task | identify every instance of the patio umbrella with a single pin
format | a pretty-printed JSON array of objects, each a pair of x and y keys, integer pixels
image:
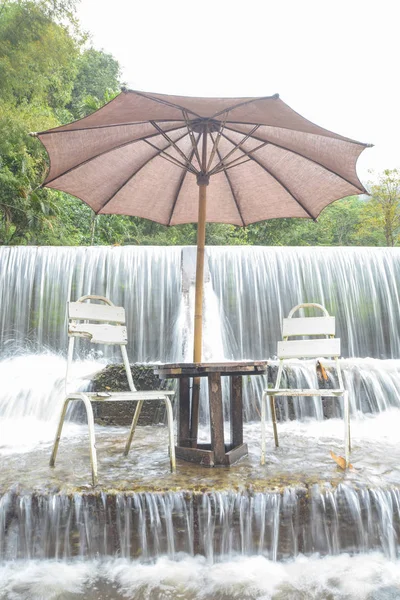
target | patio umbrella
[{"x": 153, "y": 156}]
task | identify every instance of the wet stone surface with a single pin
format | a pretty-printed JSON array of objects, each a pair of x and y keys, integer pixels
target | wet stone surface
[{"x": 303, "y": 459}]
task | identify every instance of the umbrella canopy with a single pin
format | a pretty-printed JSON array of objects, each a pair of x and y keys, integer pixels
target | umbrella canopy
[{"x": 153, "y": 156}]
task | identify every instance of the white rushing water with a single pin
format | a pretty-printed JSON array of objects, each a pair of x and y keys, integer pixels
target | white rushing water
[
  {"x": 344, "y": 577},
  {"x": 33, "y": 389},
  {"x": 255, "y": 288}
]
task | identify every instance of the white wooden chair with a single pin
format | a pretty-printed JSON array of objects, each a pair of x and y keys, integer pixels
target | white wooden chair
[
  {"x": 317, "y": 347},
  {"x": 105, "y": 324}
]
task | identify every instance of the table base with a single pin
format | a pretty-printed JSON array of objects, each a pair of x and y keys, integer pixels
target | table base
[
  {"x": 204, "y": 455},
  {"x": 217, "y": 453}
]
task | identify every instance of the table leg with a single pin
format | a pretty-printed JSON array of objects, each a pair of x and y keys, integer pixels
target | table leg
[
  {"x": 184, "y": 412},
  {"x": 216, "y": 417},
  {"x": 194, "y": 423},
  {"x": 236, "y": 410}
]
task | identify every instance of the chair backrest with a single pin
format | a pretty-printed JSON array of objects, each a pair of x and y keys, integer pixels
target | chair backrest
[
  {"x": 327, "y": 346},
  {"x": 316, "y": 347},
  {"x": 100, "y": 324}
]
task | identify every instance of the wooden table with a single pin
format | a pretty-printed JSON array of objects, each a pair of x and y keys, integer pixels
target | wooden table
[{"x": 218, "y": 453}]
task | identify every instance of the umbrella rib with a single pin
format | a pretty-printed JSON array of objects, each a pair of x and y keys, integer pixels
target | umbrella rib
[
  {"x": 236, "y": 147},
  {"x": 172, "y": 159},
  {"x": 160, "y": 101},
  {"x": 215, "y": 145},
  {"x": 231, "y": 188},
  {"x": 276, "y": 179},
  {"x": 88, "y": 160},
  {"x": 335, "y": 136},
  {"x": 165, "y": 136},
  {"x": 182, "y": 179},
  {"x": 235, "y": 163},
  {"x": 131, "y": 177},
  {"x": 109, "y": 126},
  {"x": 191, "y": 134},
  {"x": 218, "y": 168},
  {"x": 361, "y": 187},
  {"x": 243, "y": 103}
]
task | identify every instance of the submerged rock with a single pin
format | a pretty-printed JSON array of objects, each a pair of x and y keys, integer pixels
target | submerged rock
[{"x": 113, "y": 379}]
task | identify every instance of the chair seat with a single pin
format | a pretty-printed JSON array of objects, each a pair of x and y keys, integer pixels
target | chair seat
[
  {"x": 305, "y": 392},
  {"x": 121, "y": 396}
]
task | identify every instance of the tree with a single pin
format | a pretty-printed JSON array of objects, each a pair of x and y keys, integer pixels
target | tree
[
  {"x": 37, "y": 56},
  {"x": 89, "y": 104},
  {"x": 24, "y": 208},
  {"x": 382, "y": 215},
  {"x": 37, "y": 70},
  {"x": 337, "y": 225},
  {"x": 97, "y": 81},
  {"x": 41, "y": 71}
]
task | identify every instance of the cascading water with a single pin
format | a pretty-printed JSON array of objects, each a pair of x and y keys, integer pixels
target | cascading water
[
  {"x": 275, "y": 525},
  {"x": 294, "y": 529},
  {"x": 255, "y": 288}
]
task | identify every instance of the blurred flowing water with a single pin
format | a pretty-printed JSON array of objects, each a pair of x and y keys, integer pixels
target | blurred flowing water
[
  {"x": 293, "y": 530},
  {"x": 251, "y": 290}
]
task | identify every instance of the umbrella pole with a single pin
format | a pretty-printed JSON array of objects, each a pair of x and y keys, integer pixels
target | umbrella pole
[
  {"x": 198, "y": 310},
  {"x": 198, "y": 304}
]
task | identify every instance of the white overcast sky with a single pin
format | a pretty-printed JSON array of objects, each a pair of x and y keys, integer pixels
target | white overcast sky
[{"x": 336, "y": 62}]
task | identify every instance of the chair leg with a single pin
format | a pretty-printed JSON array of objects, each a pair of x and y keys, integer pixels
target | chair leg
[
  {"x": 263, "y": 418},
  {"x": 170, "y": 420},
  {"x": 92, "y": 439},
  {"x": 273, "y": 415},
  {"x": 135, "y": 420},
  {"x": 59, "y": 431},
  {"x": 347, "y": 427}
]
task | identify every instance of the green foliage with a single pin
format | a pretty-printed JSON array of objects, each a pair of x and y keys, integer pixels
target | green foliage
[
  {"x": 24, "y": 209},
  {"x": 41, "y": 70},
  {"x": 97, "y": 81},
  {"x": 37, "y": 56},
  {"x": 336, "y": 226},
  {"x": 47, "y": 78},
  {"x": 382, "y": 217}
]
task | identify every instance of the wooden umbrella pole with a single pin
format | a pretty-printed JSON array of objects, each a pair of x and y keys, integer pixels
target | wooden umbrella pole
[
  {"x": 198, "y": 311},
  {"x": 198, "y": 304},
  {"x": 202, "y": 182}
]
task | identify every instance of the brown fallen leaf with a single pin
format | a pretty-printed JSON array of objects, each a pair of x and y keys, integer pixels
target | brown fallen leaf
[
  {"x": 339, "y": 460},
  {"x": 321, "y": 369}
]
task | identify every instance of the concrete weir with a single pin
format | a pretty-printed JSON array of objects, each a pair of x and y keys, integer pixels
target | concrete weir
[{"x": 278, "y": 525}]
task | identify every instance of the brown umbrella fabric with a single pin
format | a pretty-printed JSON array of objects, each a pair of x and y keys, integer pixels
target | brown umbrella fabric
[
  {"x": 152, "y": 156},
  {"x": 140, "y": 155}
]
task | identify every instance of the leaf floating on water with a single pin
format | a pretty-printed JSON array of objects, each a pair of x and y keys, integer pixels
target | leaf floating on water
[
  {"x": 321, "y": 369},
  {"x": 339, "y": 460}
]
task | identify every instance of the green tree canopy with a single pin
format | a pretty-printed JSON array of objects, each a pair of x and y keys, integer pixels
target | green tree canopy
[
  {"x": 382, "y": 215},
  {"x": 37, "y": 56},
  {"x": 42, "y": 71},
  {"x": 97, "y": 81}
]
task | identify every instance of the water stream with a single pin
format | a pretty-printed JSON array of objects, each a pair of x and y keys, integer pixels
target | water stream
[{"x": 299, "y": 528}]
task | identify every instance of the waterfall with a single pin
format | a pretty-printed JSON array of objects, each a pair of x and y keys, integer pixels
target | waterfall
[
  {"x": 248, "y": 291},
  {"x": 258, "y": 286},
  {"x": 254, "y": 288},
  {"x": 218, "y": 525},
  {"x": 36, "y": 284}
]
